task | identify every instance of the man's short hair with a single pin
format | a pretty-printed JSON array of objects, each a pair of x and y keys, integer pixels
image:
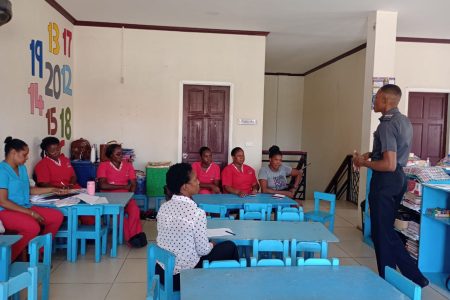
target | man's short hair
[{"x": 391, "y": 89}]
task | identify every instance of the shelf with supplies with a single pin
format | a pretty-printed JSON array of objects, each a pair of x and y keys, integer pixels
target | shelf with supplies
[
  {"x": 417, "y": 226},
  {"x": 434, "y": 243}
]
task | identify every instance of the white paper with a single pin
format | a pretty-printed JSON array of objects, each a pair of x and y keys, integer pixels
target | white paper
[
  {"x": 212, "y": 232},
  {"x": 42, "y": 201},
  {"x": 102, "y": 200},
  {"x": 92, "y": 199},
  {"x": 67, "y": 202},
  {"x": 278, "y": 196},
  {"x": 39, "y": 198}
]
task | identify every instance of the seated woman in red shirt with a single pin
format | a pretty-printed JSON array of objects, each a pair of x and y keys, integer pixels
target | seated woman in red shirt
[
  {"x": 117, "y": 175},
  {"x": 208, "y": 173},
  {"x": 54, "y": 169},
  {"x": 238, "y": 178}
]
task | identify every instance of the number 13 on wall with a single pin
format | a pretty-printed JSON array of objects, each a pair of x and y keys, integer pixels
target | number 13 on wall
[{"x": 53, "y": 39}]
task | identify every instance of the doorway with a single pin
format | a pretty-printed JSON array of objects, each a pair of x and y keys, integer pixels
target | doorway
[
  {"x": 205, "y": 122},
  {"x": 428, "y": 115}
]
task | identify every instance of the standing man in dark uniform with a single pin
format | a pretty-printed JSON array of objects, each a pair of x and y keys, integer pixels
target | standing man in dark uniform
[{"x": 391, "y": 146}]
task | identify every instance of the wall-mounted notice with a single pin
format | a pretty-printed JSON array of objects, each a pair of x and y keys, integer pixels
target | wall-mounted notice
[
  {"x": 57, "y": 81},
  {"x": 377, "y": 83},
  {"x": 247, "y": 122}
]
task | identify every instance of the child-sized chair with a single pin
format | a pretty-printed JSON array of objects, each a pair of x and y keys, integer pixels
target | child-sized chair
[
  {"x": 402, "y": 283},
  {"x": 307, "y": 249},
  {"x": 255, "y": 211},
  {"x": 318, "y": 215},
  {"x": 63, "y": 236},
  {"x": 269, "y": 247},
  {"x": 17, "y": 282},
  {"x": 156, "y": 253},
  {"x": 42, "y": 268},
  {"x": 242, "y": 263},
  {"x": 97, "y": 232},
  {"x": 219, "y": 210},
  {"x": 290, "y": 214},
  {"x": 317, "y": 262},
  {"x": 153, "y": 289}
]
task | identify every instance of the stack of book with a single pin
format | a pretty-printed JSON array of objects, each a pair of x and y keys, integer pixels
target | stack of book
[
  {"x": 412, "y": 201},
  {"x": 413, "y": 230},
  {"x": 413, "y": 248}
]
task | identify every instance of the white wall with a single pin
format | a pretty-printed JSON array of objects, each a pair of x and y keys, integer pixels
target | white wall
[
  {"x": 422, "y": 67},
  {"x": 332, "y": 117},
  {"x": 30, "y": 21},
  {"x": 143, "y": 112},
  {"x": 283, "y": 112}
]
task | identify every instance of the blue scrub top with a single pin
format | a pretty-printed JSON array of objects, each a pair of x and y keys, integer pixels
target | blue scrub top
[{"x": 18, "y": 186}]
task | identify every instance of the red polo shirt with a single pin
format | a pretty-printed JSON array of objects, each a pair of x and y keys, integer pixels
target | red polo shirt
[
  {"x": 206, "y": 176},
  {"x": 242, "y": 181},
  {"x": 57, "y": 173},
  {"x": 120, "y": 176}
]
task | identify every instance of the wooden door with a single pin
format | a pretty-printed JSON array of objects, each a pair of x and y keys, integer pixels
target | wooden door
[
  {"x": 428, "y": 115},
  {"x": 205, "y": 122}
]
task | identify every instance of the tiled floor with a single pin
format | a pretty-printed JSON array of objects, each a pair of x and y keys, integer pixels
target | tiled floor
[{"x": 125, "y": 276}]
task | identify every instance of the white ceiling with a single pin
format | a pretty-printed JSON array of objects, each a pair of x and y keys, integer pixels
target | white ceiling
[{"x": 303, "y": 33}]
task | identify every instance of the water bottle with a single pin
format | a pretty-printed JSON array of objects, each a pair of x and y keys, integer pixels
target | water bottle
[
  {"x": 93, "y": 153},
  {"x": 428, "y": 162}
]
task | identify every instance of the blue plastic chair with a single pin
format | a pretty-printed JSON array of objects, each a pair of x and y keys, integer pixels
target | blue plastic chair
[
  {"x": 153, "y": 289},
  {"x": 242, "y": 263},
  {"x": 97, "y": 232},
  {"x": 64, "y": 234},
  {"x": 318, "y": 215},
  {"x": 156, "y": 253},
  {"x": 307, "y": 249},
  {"x": 402, "y": 283},
  {"x": 317, "y": 262},
  {"x": 290, "y": 214},
  {"x": 255, "y": 211},
  {"x": 17, "y": 282},
  {"x": 142, "y": 201},
  {"x": 270, "y": 247},
  {"x": 216, "y": 209},
  {"x": 42, "y": 268}
]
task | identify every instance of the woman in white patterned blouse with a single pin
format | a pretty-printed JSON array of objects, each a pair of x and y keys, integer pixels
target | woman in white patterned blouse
[{"x": 182, "y": 226}]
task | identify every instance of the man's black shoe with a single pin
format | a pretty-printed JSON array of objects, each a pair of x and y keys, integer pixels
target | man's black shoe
[{"x": 422, "y": 282}]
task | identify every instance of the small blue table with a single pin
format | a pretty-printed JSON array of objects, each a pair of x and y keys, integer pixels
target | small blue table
[
  {"x": 246, "y": 231},
  {"x": 235, "y": 202},
  {"x": 115, "y": 207},
  {"x": 308, "y": 282},
  {"x": 6, "y": 241}
]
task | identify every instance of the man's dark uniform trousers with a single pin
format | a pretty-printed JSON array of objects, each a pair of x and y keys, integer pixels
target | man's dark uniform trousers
[{"x": 394, "y": 133}]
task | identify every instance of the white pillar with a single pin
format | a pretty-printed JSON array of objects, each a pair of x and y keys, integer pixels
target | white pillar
[{"x": 380, "y": 62}]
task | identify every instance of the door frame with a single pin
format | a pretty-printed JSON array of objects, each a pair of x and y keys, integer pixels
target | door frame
[
  {"x": 405, "y": 98},
  {"x": 180, "y": 112}
]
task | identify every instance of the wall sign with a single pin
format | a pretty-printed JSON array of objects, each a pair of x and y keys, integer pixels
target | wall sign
[
  {"x": 57, "y": 80},
  {"x": 247, "y": 122}
]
